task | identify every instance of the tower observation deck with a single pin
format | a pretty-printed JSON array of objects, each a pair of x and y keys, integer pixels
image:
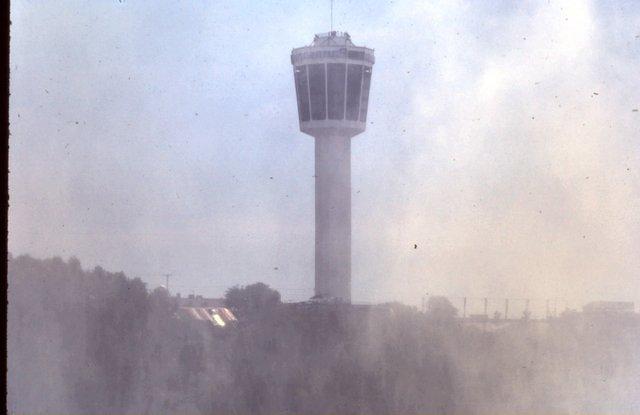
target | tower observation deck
[{"x": 332, "y": 79}]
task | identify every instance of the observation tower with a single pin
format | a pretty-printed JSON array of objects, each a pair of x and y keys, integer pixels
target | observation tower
[{"x": 332, "y": 79}]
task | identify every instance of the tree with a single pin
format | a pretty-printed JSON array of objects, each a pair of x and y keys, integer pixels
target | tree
[
  {"x": 440, "y": 308},
  {"x": 252, "y": 299}
]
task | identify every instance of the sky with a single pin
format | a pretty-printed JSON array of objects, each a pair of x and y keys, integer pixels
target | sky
[{"x": 503, "y": 141}]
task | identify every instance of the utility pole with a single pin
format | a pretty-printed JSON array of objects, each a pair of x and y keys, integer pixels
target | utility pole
[
  {"x": 548, "y": 313},
  {"x": 167, "y": 277}
]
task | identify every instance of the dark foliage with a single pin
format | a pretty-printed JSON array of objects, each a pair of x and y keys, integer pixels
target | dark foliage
[
  {"x": 97, "y": 342},
  {"x": 252, "y": 300},
  {"x": 441, "y": 309}
]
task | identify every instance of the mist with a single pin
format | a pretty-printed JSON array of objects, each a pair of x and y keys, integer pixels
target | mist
[
  {"x": 93, "y": 341},
  {"x": 502, "y": 141},
  {"x": 158, "y": 176}
]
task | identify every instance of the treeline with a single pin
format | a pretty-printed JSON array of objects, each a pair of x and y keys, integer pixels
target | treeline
[
  {"x": 97, "y": 342},
  {"x": 91, "y": 341}
]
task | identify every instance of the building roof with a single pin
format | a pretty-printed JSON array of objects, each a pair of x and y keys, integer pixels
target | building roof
[
  {"x": 200, "y": 301},
  {"x": 216, "y": 316}
]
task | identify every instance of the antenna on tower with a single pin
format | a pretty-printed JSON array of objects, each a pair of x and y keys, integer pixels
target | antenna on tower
[{"x": 331, "y": 15}]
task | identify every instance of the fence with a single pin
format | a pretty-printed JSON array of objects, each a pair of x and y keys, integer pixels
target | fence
[{"x": 504, "y": 308}]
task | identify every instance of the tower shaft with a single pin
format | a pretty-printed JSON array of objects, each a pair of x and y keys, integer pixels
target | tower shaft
[{"x": 333, "y": 217}]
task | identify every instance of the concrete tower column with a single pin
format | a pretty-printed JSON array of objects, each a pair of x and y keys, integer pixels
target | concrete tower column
[{"x": 333, "y": 216}]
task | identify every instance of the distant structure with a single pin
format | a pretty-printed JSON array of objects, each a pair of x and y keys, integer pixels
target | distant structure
[
  {"x": 609, "y": 307},
  {"x": 212, "y": 311},
  {"x": 332, "y": 80}
]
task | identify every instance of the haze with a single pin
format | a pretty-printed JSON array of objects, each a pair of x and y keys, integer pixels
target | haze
[{"x": 501, "y": 158}]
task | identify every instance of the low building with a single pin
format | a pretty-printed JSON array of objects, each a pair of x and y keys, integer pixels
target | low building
[
  {"x": 199, "y": 301},
  {"x": 609, "y": 307},
  {"x": 215, "y": 316}
]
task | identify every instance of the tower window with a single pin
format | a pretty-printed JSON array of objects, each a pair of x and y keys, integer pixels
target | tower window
[
  {"x": 302, "y": 92},
  {"x": 354, "y": 84},
  {"x": 317, "y": 90},
  {"x": 364, "y": 101},
  {"x": 335, "y": 90}
]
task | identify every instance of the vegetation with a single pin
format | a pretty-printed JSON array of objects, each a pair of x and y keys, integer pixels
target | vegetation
[
  {"x": 441, "y": 309},
  {"x": 97, "y": 342},
  {"x": 252, "y": 300}
]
